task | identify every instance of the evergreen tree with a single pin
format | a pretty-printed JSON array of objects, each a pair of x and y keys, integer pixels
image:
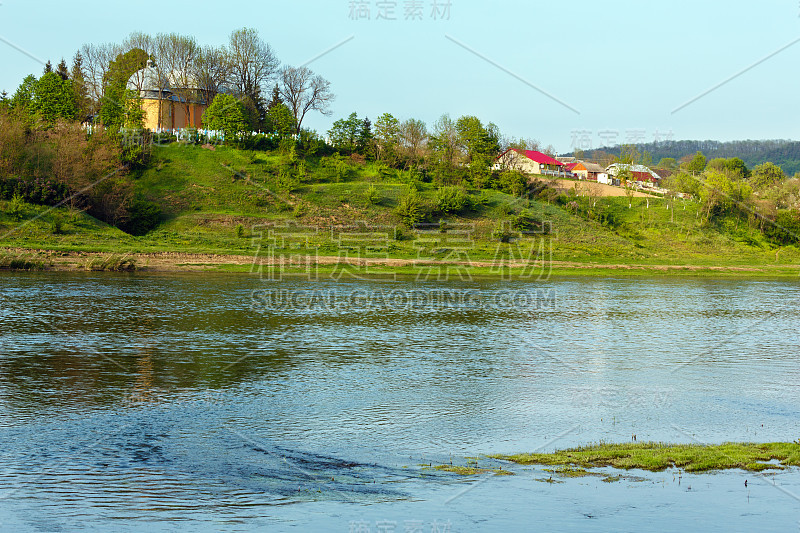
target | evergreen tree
[
  {"x": 4, "y": 101},
  {"x": 280, "y": 120},
  {"x": 79, "y": 88},
  {"x": 62, "y": 70},
  {"x": 48, "y": 68},
  {"x": 364, "y": 142},
  {"x": 23, "y": 97},
  {"x": 54, "y": 99},
  {"x": 276, "y": 98}
]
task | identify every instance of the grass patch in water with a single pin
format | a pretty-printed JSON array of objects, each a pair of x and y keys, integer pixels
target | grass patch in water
[
  {"x": 655, "y": 457},
  {"x": 570, "y": 471},
  {"x": 469, "y": 470}
]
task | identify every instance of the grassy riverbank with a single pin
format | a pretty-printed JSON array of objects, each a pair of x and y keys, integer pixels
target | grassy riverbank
[
  {"x": 225, "y": 205},
  {"x": 658, "y": 456}
]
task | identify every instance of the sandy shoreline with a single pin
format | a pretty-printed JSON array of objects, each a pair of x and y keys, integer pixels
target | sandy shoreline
[{"x": 186, "y": 262}]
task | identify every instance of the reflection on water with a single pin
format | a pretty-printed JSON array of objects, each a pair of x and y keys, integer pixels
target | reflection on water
[{"x": 212, "y": 399}]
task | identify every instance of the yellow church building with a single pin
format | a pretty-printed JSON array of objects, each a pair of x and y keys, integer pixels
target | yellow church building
[{"x": 167, "y": 105}]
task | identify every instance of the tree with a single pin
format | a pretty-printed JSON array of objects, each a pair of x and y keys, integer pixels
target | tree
[
  {"x": 212, "y": 71},
  {"x": 475, "y": 140},
  {"x": 54, "y": 99},
  {"x": 697, "y": 164},
  {"x": 96, "y": 61},
  {"x": 280, "y": 120},
  {"x": 387, "y": 138},
  {"x": 119, "y": 108},
  {"x": 738, "y": 167},
  {"x": 345, "y": 133},
  {"x": 276, "y": 98},
  {"x": 176, "y": 56},
  {"x": 303, "y": 91},
  {"x": 720, "y": 194},
  {"x": 79, "y": 89},
  {"x": 253, "y": 65},
  {"x": 413, "y": 139},
  {"x": 23, "y": 97},
  {"x": 668, "y": 163},
  {"x": 445, "y": 149},
  {"x": 365, "y": 140},
  {"x": 228, "y": 115},
  {"x": 48, "y": 67},
  {"x": 62, "y": 70},
  {"x": 766, "y": 175}
]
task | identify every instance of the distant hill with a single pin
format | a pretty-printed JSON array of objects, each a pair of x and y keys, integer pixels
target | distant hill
[{"x": 784, "y": 153}]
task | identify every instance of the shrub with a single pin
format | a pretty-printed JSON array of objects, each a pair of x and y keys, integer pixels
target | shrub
[
  {"x": 410, "y": 209},
  {"x": 513, "y": 183},
  {"x": 57, "y": 225},
  {"x": 239, "y": 231},
  {"x": 503, "y": 233},
  {"x": 373, "y": 196},
  {"x": 451, "y": 200},
  {"x": 527, "y": 221},
  {"x": 16, "y": 207},
  {"x": 786, "y": 229}
]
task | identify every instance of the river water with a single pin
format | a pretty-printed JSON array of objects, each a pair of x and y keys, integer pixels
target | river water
[{"x": 227, "y": 403}]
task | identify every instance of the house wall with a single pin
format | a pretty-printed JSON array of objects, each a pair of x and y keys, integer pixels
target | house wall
[
  {"x": 523, "y": 164},
  {"x": 173, "y": 115}
]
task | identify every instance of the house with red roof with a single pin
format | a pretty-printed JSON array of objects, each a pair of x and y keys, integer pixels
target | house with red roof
[{"x": 530, "y": 162}]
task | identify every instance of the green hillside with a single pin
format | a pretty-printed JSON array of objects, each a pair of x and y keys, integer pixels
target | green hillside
[{"x": 211, "y": 200}]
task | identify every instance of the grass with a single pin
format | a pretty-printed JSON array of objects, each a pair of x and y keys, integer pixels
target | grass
[
  {"x": 17, "y": 262},
  {"x": 112, "y": 263},
  {"x": 470, "y": 470},
  {"x": 217, "y": 202},
  {"x": 658, "y": 456}
]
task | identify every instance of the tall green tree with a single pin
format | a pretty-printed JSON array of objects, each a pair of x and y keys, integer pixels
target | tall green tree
[
  {"x": 444, "y": 144},
  {"x": 345, "y": 133},
  {"x": 276, "y": 98},
  {"x": 365, "y": 140},
  {"x": 280, "y": 120},
  {"x": 228, "y": 115},
  {"x": 697, "y": 164},
  {"x": 668, "y": 163},
  {"x": 387, "y": 138},
  {"x": 62, "y": 70},
  {"x": 54, "y": 99},
  {"x": 120, "y": 107},
  {"x": 79, "y": 87},
  {"x": 23, "y": 96},
  {"x": 766, "y": 175}
]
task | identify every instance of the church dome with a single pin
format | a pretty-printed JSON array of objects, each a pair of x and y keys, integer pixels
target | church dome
[{"x": 147, "y": 81}]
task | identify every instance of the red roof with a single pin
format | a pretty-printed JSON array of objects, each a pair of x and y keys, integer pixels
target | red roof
[
  {"x": 539, "y": 157},
  {"x": 571, "y": 166}
]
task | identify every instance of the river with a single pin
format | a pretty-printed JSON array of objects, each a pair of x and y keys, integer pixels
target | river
[{"x": 220, "y": 402}]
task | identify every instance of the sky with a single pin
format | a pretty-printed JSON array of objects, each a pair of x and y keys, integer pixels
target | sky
[{"x": 572, "y": 74}]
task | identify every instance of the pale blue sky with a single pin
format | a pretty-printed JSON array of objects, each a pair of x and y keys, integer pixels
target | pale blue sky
[{"x": 624, "y": 65}]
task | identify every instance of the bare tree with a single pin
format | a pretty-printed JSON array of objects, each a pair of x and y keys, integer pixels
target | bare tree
[
  {"x": 413, "y": 137},
  {"x": 96, "y": 60},
  {"x": 213, "y": 71},
  {"x": 253, "y": 64},
  {"x": 303, "y": 91},
  {"x": 144, "y": 42},
  {"x": 175, "y": 59}
]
